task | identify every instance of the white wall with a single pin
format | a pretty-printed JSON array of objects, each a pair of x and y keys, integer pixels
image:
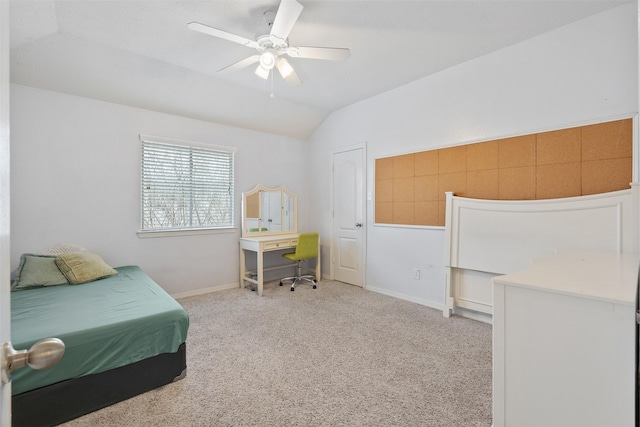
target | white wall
[
  {"x": 75, "y": 162},
  {"x": 75, "y": 177},
  {"x": 581, "y": 73}
]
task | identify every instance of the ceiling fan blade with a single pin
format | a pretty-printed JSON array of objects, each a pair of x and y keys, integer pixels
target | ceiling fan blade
[
  {"x": 286, "y": 17},
  {"x": 287, "y": 72},
  {"x": 196, "y": 26},
  {"x": 240, "y": 64},
  {"x": 330, "y": 53},
  {"x": 293, "y": 79}
]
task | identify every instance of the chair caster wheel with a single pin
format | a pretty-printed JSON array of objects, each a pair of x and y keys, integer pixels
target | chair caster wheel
[
  {"x": 292, "y": 289},
  {"x": 314, "y": 286},
  {"x": 280, "y": 283}
]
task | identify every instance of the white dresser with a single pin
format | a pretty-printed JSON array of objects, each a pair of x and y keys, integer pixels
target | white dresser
[{"x": 564, "y": 342}]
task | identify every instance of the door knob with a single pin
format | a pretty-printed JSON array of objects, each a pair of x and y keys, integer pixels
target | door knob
[
  {"x": 43, "y": 354},
  {"x": 358, "y": 224}
]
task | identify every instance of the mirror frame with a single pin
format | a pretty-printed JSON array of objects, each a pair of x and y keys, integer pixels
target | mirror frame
[{"x": 260, "y": 189}]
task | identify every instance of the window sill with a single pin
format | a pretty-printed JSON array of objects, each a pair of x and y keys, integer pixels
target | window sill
[{"x": 147, "y": 234}]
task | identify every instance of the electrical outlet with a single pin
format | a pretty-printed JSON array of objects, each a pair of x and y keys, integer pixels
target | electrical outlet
[{"x": 416, "y": 274}]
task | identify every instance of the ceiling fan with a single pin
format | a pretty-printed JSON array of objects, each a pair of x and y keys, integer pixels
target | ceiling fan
[{"x": 272, "y": 44}]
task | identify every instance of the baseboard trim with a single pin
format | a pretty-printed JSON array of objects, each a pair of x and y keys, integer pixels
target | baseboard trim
[
  {"x": 203, "y": 291},
  {"x": 474, "y": 315},
  {"x": 421, "y": 301}
]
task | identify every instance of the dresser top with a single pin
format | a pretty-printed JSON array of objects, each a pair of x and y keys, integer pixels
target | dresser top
[{"x": 597, "y": 275}]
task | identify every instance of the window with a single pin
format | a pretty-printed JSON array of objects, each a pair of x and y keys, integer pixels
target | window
[{"x": 186, "y": 186}]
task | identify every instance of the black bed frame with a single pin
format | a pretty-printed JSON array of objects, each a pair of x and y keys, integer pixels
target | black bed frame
[{"x": 66, "y": 400}]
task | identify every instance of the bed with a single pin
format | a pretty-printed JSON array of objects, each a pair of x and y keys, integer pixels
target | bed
[
  {"x": 123, "y": 334},
  {"x": 486, "y": 238}
]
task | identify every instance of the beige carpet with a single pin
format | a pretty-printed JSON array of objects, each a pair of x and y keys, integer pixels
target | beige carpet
[{"x": 334, "y": 356}]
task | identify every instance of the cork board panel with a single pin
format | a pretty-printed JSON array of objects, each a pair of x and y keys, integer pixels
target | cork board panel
[
  {"x": 384, "y": 212},
  {"x": 426, "y": 188},
  {"x": 403, "y": 212},
  {"x": 558, "y": 180},
  {"x": 607, "y": 140},
  {"x": 403, "y": 189},
  {"x": 426, "y": 163},
  {"x": 409, "y": 188},
  {"x": 426, "y": 213},
  {"x": 442, "y": 210},
  {"x": 384, "y": 168},
  {"x": 562, "y": 146},
  {"x": 601, "y": 176},
  {"x": 452, "y": 160},
  {"x": 517, "y": 152},
  {"x": 403, "y": 166},
  {"x": 454, "y": 182},
  {"x": 482, "y": 156},
  {"x": 253, "y": 206},
  {"x": 517, "y": 183},
  {"x": 384, "y": 190},
  {"x": 483, "y": 184}
]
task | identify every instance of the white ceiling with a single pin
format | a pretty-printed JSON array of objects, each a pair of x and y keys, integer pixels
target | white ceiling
[{"x": 141, "y": 53}]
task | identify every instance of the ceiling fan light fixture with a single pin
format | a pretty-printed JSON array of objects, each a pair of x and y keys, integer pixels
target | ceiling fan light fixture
[
  {"x": 262, "y": 72},
  {"x": 284, "y": 67},
  {"x": 268, "y": 59}
]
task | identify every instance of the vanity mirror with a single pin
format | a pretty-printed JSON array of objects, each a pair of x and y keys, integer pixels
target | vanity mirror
[{"x": 269, "y": 211}]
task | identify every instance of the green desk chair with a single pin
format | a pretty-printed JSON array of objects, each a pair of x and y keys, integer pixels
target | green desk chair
[{"x": 307, "y": 248}]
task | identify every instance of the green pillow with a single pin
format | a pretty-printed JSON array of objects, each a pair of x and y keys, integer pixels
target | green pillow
[
  {"x": 83, "y": 267},
  {"x": 36, "y": 271}
]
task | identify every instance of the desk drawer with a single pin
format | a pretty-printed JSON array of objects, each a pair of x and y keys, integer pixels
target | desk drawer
[{"x": 280, "y": 244}]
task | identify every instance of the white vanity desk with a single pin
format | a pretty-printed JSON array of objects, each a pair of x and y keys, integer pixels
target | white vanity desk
[
  {"x": 269, "y": 223},
  {"x": 564, "y": 342},
  {"x": 263, "y": 244}
]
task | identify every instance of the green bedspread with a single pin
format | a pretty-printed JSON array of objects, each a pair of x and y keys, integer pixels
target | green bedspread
[{"x": 104, "y": 324}]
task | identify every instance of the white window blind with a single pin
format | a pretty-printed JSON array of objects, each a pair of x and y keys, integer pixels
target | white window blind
[{"x": 186, "y": 187}]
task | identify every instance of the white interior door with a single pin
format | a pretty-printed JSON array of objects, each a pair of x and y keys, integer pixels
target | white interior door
[
  {"x": 275, "y": 211},
  {"x": 271, "y": 205},
  {"x": 5, "y": 266},
  {"x": 348, "y": 216}
]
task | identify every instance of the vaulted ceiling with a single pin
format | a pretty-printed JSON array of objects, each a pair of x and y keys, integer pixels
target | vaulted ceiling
[{"x": 141, "y": 53}]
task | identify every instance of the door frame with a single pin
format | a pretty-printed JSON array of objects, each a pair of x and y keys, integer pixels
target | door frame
[
  {"x": 5, "y": 212},
  {"x": 365, "y": 216}
]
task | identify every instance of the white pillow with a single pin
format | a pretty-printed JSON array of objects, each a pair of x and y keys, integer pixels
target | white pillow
[{"x": 62, "y": 248}]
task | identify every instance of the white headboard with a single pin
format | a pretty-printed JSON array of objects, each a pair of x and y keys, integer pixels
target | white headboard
[{"x": 485, "y": 238}]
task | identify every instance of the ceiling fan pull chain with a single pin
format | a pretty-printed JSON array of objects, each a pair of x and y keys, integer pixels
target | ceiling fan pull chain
[{"x": 272, "y": 94}]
